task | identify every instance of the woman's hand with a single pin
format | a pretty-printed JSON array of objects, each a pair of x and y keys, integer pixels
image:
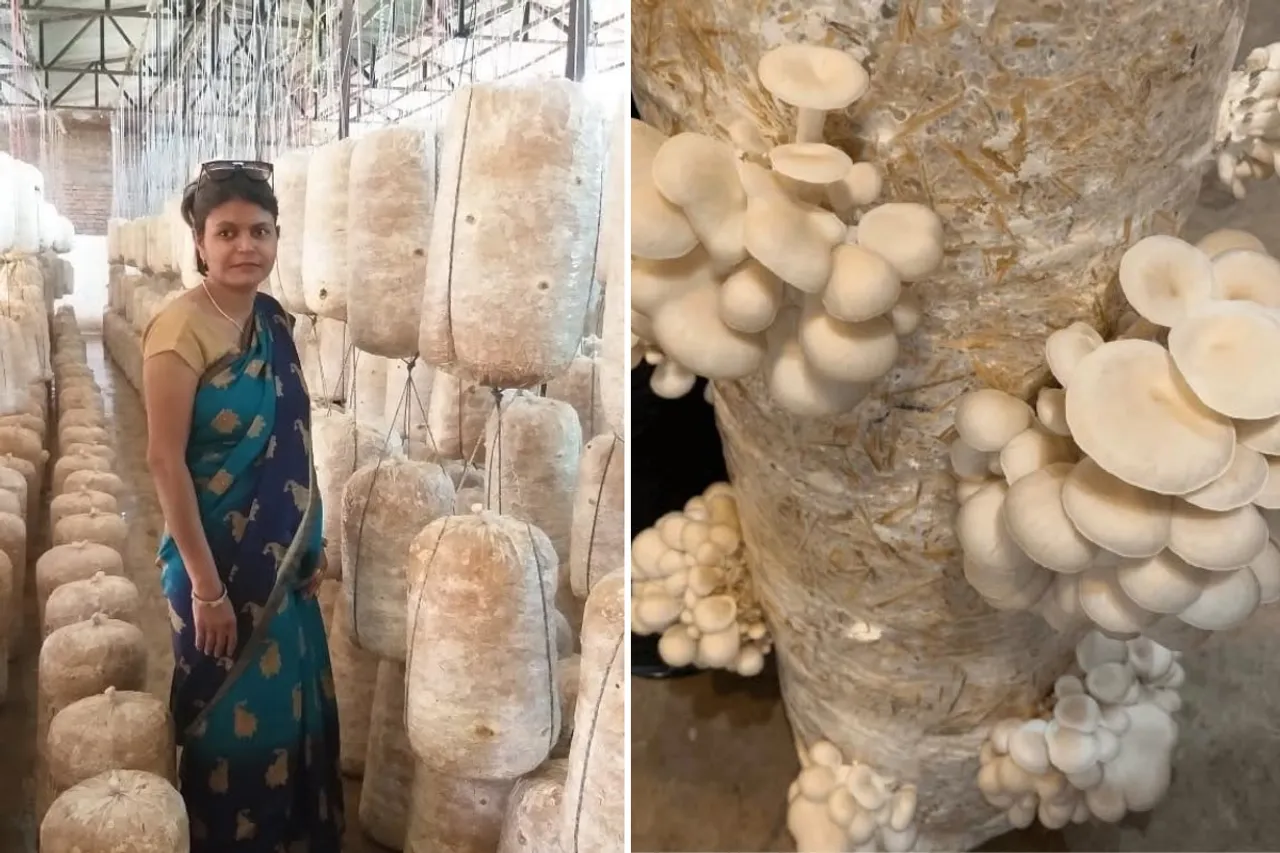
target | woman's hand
[
  {"x": 215, "y": 626},
  {"x": 312, "y": 589}
]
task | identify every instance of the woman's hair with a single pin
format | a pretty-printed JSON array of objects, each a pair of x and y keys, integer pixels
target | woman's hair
[{"x": 201, "y": 198}]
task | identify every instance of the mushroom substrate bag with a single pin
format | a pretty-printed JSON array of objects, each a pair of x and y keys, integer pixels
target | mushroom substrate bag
[
  {"x": 355, "y": 674},
  {"x": 482, "y": 699},
  {"x": 387, "y": 792},
  {"x": 512, "y": 260},
  {"x": 532, "y": 820},
  {"x": 454, "y": 815},
  {"x": 114, "y": 730},
  {"x": 325, "y": 269},
  {"x": 593, "y": 820},
  {"x": 534, "y": 445},
  {"x": 392, "y": 191},
  {"x": 599, "y": 505},
  {"x": 120, "y": 810},
  {"x": 457, "y": 412},
  {"x": 366, "y": 394},
  {"x": 385, "y": 505},
  {"x": 339, "y": 447},
  {"x": 291, "y": 172},
  {"x": 113, "y": 596}
]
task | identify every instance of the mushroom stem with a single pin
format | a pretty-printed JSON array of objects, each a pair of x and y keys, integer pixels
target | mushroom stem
[{"x": 810, "y": 124}]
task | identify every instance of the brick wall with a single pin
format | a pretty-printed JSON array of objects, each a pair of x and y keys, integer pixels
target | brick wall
[{"x": 76, "y": 164}]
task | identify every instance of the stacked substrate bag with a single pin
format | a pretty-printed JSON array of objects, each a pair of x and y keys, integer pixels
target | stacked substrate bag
[{"x": 93, "y": 660}]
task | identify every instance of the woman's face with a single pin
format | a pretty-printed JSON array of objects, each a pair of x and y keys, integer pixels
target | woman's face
[{"x": 238, "y": 244}]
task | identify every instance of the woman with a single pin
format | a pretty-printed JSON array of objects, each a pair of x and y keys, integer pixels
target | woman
[{"x": 229, "y": 447}]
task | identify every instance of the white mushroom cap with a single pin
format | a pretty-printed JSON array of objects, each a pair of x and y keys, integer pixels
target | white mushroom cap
[
  {"x": 1064, "y": 349},
  {"x": 1149, "y": 659},
  {"x": 1165, "y": 278},
  {"x": 847, "y": 352},
  {"x": 1261, "y": 435},
  {"x": 676, "y": 647},
  {"x": 655, "y": 282},
  {"x": 750, "y": 298},
  {"x": 1239, "y": 485},
  {"x": 1070, "y": 751},
  {"x": 815, "y": 79},
  {"x": 1031, "y": 450},
  {"x": 1079, "y": 712},
  {"x": 1227, "y": 239},
  {"x": 826, "y": 753},
  {"x": 1020, "y": 590},
  {"x": 1142, "y": 770},
  {"x": 790, "y": 239},
  {"x": 863, "y": 285},
  {"x": 1028, "y": 748},
  {"x": 689, "y": 330},
  {"x": 907, "y": 235},
  {"x": 671, "y": 380},
  {"x": 906, "y": 314},
  {"x": 1161, "y": 584},
  {"x": 718, "y": 650},
  {"x": 1266, "y": 568},
  {"x": 700, "y": 174},
  {"x": 810, "y": 162},
  {"x": 985, "y": 539},
  {"x": 967, "y": 463},
  {"x": 659, "y": 229},
  {"x": 860, "y": 186},
  {"x": 1228, "y": 599},
  {"x": 1109, "y": 683},
  {"x": 988, "y": 419},
  {"x": 1051, "y": 410},
  {"x": 1120, "y": 518},
  {"x": 867, "y": 788},
  {"x": 793, "y": 382},
  {"x": 1035, "y": 520},
  {"x": 1129, "y": 410},
  {"x": 1107, "y": 605},
  {"x": 1227, "y": 354},
  {"x": 812, "y": 77},
  {"x": 1244, "y": 275},
  {"x": 1269, "y": 497},
  {"x": 1218, "y": 541},
  {"x": 1060, "y": 605},
  {"x": 715, "y": 613}
]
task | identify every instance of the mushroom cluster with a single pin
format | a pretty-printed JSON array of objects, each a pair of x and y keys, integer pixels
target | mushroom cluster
[
  {"x": 690, "y": 583},
  {"x": 834, "y": 806},
  {"x": 1247, "y": 135},
  {"x": 741, "y": 260},
  {"x": 1147, "y": 486},
  {"x": 1105, "y": 750}
]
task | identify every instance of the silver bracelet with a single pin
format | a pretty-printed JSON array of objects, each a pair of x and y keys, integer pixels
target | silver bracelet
[{"x": 195, "y": 599}]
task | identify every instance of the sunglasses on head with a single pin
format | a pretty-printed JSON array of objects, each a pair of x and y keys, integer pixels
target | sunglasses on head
[{"x": 220, "y": 170}]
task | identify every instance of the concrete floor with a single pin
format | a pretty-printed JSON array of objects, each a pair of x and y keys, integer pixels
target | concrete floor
[
  {"x": 18, "y": 831},
  {"x": 712, "y": 755}
]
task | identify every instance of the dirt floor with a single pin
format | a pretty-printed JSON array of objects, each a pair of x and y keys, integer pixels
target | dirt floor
[
  {"x": 712, "y": 755},
  {"x": 18, "y": 831}
]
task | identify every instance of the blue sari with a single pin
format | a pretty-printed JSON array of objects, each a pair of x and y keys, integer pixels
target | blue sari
[{"x": 259, "y": 731}]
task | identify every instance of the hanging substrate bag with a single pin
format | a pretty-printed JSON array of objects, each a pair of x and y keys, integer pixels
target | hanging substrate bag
[
  {"x": 512, "y": 255},
  {"x": 599, "y": 524},
  {"x": 594, "y": 820},
  {"x": 325, "y": 272},
  {"x": 392, "y": 190},
  {"x": 384, "y": 507},
  {"x": 291, "y": 192},
  {"x": 482, "y": 701}
]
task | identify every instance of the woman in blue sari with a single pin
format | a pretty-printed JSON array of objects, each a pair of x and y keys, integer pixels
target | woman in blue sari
[{"x": 229, "y": 448}]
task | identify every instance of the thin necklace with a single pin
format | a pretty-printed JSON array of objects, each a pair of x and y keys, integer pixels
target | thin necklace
[{"x": 214, "y": 303}]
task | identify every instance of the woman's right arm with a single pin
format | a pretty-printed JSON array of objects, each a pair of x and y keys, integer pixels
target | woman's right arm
[{"x": 169, "y": 389}]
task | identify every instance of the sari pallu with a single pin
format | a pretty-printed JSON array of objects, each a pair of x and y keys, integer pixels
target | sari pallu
[{"x": 259, "y": 730}]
